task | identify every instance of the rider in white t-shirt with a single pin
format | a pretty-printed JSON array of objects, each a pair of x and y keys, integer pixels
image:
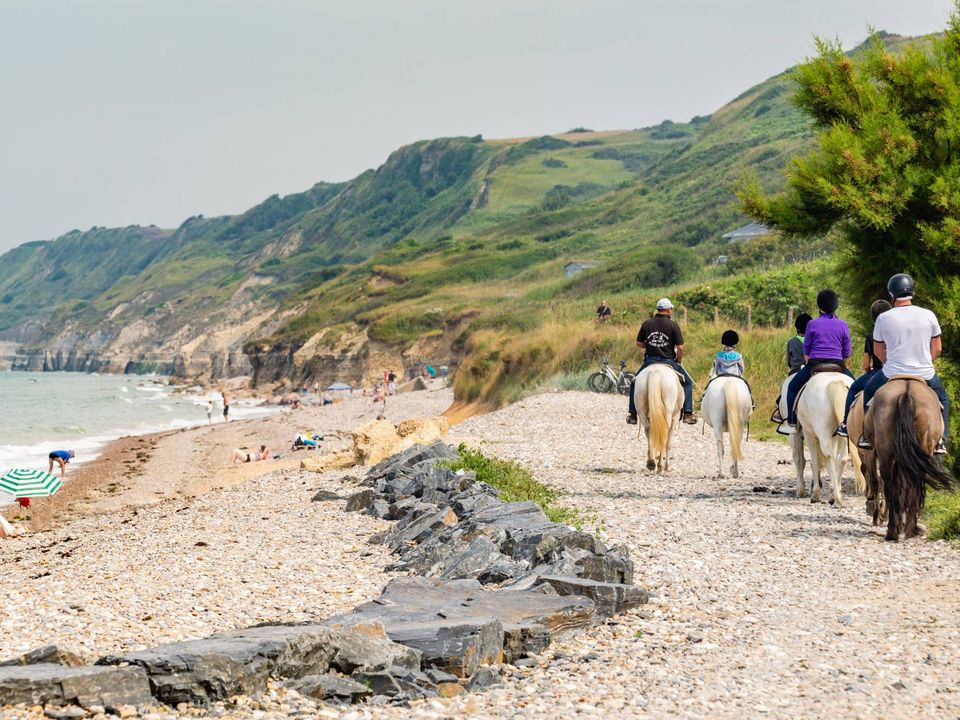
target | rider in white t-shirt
[{"x": 907, "y": 340}]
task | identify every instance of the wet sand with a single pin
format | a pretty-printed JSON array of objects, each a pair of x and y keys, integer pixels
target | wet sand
[{"x": 145, "y": 469}]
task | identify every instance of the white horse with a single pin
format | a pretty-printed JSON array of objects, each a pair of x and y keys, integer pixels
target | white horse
[
  {"x": 727, "y": 407},
  {"x": 819, "y": 411},
  {"x": 658, "y": 396},
  {"x": 795, "y": 440}
]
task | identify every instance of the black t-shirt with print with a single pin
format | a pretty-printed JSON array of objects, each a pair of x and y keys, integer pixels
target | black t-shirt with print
[{"x": 661, "y": 335}]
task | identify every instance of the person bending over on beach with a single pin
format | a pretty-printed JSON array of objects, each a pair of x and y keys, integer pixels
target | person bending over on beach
[
  {"x": 61, "y": 457},
  {"x": 242, "y": 456},
  {"x": 226, "y": 405}
]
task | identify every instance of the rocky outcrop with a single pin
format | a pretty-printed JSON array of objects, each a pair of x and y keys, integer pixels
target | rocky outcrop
[{"x": 491, "y": 582}]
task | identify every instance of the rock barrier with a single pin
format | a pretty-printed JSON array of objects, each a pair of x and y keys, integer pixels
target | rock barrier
[{"x": 489, "y": 582}]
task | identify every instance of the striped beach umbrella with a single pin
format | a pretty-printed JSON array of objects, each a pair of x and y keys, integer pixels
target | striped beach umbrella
[{"x": 27, "y": 482}]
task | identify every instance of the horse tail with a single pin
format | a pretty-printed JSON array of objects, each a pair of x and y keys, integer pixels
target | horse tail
[
  {"x": 657, "y": 412},
  {"x": 913, "y": 467},
  {"x": 837, "y": 392},
  {"x": 730, "y": 397}
]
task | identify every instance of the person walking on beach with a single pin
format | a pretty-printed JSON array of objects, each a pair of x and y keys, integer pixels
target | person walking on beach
[
  {"x": 226, "y": 405},
  {"x": 392, "y": 383},
  {"x": 61, "y": 457},
  {"x": 209, "y": 412}
]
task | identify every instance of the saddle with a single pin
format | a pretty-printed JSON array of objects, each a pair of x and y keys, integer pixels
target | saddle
[{"x": 826, "y": 367}]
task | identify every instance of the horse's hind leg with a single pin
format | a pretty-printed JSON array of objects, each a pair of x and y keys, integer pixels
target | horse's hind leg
[
  {"x": 815, "y": 458},
  {"x": 718, "y": 436},
  {"x": 799, "y": 462},
  {"x": 894, "y": 509}
]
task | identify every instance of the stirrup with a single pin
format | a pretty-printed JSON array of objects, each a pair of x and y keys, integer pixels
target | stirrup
[
  {"x": 631, "y": 419},
  {"x": 941, "y": 448},
  {"x": 777, "y": 417},
  {"x": 841, "y": 430},
  {"x": 787, "y": 429},
  {"x": 864, "y": 444}
]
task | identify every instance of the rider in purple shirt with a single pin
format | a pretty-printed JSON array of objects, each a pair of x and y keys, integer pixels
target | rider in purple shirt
[{"x": 827, "y": 340}]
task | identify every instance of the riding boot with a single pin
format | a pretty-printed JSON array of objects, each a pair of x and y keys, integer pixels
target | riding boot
[
  {"x": 941, "y": 448},
  {"x": 632, "y": 419},
  {"x": 841, "y": 430},
  {"x": 864, "y": 443}
]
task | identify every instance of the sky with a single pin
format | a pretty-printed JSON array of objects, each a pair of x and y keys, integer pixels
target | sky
[{"x": 120, "y": 112}]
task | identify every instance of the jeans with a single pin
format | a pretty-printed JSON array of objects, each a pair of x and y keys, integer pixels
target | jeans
[
  {"x": 935, "y": 383},
  {"x": 858, "y": 386},
  {"x": 687, "y": 383},
  {"x": 799, "y": 380}
]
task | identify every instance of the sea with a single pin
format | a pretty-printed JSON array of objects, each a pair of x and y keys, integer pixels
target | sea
[{"x": 83, "y": 412}]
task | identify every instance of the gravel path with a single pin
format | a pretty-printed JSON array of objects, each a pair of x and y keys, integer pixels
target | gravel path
[{"x": 763, "y": 604}]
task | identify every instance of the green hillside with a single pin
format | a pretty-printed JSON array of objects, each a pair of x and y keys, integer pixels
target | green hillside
[{"x": 461, "y": 233}]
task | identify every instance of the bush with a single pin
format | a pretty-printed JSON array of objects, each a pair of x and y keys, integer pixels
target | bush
[{"x": 515, "y": 484}]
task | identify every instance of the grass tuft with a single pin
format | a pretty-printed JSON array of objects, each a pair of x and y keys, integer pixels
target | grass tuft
[
  {"x": 515, "y": 484},
  {"x": 942, "y": 515}
]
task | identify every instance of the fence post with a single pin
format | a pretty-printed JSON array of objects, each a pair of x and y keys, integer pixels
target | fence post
[
  {"x": 683, "y": 313},
  {"x": 749, "y": 317},
  {"x": 716, "y": 315},
  {"x": 790, "y": 316}
]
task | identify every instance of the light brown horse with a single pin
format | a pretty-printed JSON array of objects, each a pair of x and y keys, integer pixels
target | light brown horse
[{"x": 904, "y": 424}]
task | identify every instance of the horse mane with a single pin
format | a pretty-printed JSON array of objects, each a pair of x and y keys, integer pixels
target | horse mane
[
  {"x": 657, "y": 416},
  {"x": 913, "y": 467},
  {"x": 733, "y": 419}
]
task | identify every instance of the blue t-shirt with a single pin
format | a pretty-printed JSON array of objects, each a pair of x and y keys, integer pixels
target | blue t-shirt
[{"x": 62, "y": 454}]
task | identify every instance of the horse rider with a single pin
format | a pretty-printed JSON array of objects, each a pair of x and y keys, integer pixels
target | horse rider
[
  {"x": 907, "y": 339},
  {"x": 795, "y": 344},
  {"x": 827, "y": 340},
  {"x": 662, "y": 342},
  {"x": 870, "y": 365}
]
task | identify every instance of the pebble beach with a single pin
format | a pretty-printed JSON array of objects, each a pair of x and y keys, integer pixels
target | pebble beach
[{"x": 763, "y": 605}]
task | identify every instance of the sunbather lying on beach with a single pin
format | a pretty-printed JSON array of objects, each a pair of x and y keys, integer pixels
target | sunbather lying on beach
[{"x": 242, "y": 456}]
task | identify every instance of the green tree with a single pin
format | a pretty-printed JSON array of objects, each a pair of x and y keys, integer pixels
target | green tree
[{"x": 884, "y": 176}]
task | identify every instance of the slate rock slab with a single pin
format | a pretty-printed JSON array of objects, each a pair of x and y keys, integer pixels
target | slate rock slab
[
  {"x": 46, "y": 654},
  {"x": 331, "y": 688},
  {"x": 398, "y": 683},
  {"x": 359, "y": 501},
  {"x": 53, "y": 684},
  {"x": 451, "y": 622},
  {"x": 610, "y": 598},
  {"x": 225, "y": 664}
]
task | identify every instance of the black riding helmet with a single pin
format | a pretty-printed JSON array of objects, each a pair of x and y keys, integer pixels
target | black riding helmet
[
  {"x": 803, "y": 319},
  {"x": 827, "y": 301},
  {"x": 729, "y": 338},
  {"x": 901, "y": 285}
]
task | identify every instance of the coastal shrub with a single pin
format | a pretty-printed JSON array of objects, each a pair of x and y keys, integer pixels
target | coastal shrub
[
  {"x": 942, "y": 515},
  {"x": 515, "y": 484}
]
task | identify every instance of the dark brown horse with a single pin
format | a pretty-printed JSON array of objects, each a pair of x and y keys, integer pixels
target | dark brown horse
[{"x": 904, "y": 424}]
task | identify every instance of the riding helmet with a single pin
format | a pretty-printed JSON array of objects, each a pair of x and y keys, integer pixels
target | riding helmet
[
  {"x": 827, "y": 301},
  {"x": 801, "y": 322},
  {"x": 900, "y": 285},
  {"x": 729, "y": 338},
  {"x": 878, "y": 308}
]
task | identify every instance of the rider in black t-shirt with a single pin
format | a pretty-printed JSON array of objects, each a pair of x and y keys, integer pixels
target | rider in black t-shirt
[{"x": 662, "y": 342}]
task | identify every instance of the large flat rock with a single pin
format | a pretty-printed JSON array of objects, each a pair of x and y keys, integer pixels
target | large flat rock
[
  {"x": 459, "y": 626},
  {"x": 53, "y": 684},
  {"x": 214, "y": 668}
]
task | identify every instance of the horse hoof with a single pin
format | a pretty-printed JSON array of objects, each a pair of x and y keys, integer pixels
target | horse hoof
[
  {"x": 891, "y": 538},
  {"x": 651, "y": 465}
]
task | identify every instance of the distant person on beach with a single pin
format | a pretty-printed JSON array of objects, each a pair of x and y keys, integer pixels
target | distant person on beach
[
  {"x": 209, "y": 411},
  {"x": 226, "y": 405},
  {"x": 61, "y": 457},
  {"x": 242, "y": 456},
  {"x": 392, "y": 383}
]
